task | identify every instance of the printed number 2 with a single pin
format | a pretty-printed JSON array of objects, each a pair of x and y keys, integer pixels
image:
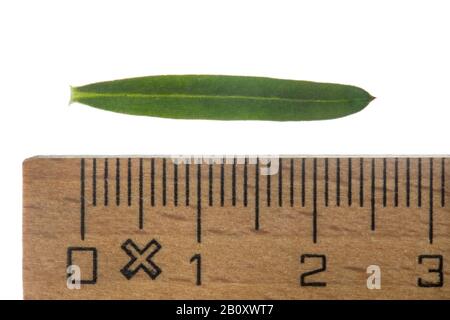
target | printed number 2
[
  {"x": 438, "y": 270},
  {"x": 304, "y": 275}
]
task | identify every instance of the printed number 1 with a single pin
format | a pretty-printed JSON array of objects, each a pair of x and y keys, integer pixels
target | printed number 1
[{"x": 198, "y": 258}]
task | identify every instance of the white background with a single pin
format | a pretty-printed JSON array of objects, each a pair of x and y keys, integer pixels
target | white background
[{"x": 397, "y": 50}]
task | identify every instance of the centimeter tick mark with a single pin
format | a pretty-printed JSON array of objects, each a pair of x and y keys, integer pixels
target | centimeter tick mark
[
  {"x": 315, "y": 200},
  {"x": 280, "y": 182},
  {"x": 164, "y": 182},
  {"x": 257, "y": 195},
  {"x": 152, "y": 182},
  {"x": 175, "y": 184},
  {"x": 186, "y": 184},
  {"x": 94, "y": 182},
  {"x": 105, "y": 183},
  {"x": 408, "y": 182},
  {"x": 338, "y": 182},
  {"x": 349, "y": 182},
  {"x": 431, "y": 203},
  {"x": 117, "y": 181},
  {"x": 233, "y": 183},
  {"x": 222, "y": 183},
  {"x": 372, "y": 201},
  {"x": 199, "y": 203},
  {"x": 326, "y": 182},
  {"x": 303, "y": 182},
  {"x": 396, "y": 182},
  {"x": 245, "y": 181},
  {"x": 269, "y": 192},
  {"x": 443, "y": 182},
  {"x": 291, "y": 189},
  {"x": 384, "y": 183},
  {"x": 82, "y": 199},
  {"x": 419, "y": 183},
  {"x": 141, "y": 194},
  {"x": 210, "y": 184},
  {"x": 129, "y": 182},
  {"x": 361, "y": 182}
]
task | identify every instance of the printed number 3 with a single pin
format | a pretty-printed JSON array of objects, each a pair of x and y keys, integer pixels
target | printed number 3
[{"x": 438, "y": 270}]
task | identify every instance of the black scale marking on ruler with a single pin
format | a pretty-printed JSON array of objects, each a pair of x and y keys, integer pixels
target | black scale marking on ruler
[{"x": 257, "y": 206}]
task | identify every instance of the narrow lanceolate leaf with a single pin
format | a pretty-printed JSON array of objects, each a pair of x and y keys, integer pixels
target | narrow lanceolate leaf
[{"x": 218, "y": 97}]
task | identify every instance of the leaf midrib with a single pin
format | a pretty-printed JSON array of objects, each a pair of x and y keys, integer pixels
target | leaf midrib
[{"x": 80, "y": 94}]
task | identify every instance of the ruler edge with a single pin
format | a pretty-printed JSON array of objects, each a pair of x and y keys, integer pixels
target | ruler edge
[{"x": 284, "y": 156}]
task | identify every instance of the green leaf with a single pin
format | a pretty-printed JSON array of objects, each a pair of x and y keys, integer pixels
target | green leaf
[{"x": 217, "y": 97}]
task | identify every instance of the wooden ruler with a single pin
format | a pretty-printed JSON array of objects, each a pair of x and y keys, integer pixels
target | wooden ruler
[{"x": 236, "y": 228}]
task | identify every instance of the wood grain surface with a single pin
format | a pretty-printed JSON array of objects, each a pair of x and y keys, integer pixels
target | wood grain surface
[{"x": 138, "y": 228}]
